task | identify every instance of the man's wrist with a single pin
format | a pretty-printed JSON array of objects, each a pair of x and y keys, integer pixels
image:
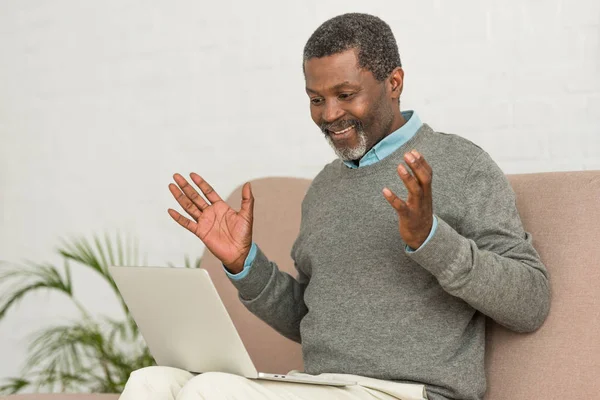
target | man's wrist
[
  {"x": 422, "y": 237},
  {"x": 241, "y": 270},
  {"x": 234, "y": 268},
  {"x": 432, "y": 230},
  {"x": 238, "y": 266}
]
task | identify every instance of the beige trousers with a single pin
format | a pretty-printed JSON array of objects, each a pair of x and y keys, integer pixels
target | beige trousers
[{"x": 165, "y": 383}]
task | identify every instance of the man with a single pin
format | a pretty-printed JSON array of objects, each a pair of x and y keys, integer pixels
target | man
[{"x": 397, "y": 270}]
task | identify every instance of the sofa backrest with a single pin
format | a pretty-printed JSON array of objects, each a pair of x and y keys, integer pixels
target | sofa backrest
[{"x": 560, "y": 360}]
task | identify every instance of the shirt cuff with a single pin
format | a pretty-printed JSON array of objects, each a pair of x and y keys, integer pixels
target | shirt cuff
[
  {"x": 247, "y": 264},
  {"x": 259, "y": 277},
  {"x": 433, "y": 228}
]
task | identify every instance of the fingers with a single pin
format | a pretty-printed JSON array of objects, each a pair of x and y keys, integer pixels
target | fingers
[
  {"x": 189, "y": 199},
  {"x": 183, "y": 221},
  {"x": 398, "y": 204},
  {"x": 412, "y": 185},
  {"x": 247, "y": 209},
  {"x": 208, "y": 191},
  {"x": 418, "y": 183},
  {"x": 421, "y": 170}
]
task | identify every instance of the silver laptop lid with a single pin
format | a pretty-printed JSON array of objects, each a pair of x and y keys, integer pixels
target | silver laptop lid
[{"x": 183, "y": 320}]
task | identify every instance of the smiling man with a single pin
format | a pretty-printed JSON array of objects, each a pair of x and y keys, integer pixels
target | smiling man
[
  {"x": 398, "y": 267},
  {"x": 357, "y": 99}
]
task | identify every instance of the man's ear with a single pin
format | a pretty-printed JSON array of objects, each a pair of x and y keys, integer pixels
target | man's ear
[{"x": 396, "y": 83}]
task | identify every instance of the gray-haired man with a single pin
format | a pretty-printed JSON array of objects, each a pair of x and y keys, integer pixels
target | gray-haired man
[{"x": 397, "y": 271}]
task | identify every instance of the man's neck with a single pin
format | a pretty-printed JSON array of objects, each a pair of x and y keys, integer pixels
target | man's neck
[{"x": 397, "y": 123}]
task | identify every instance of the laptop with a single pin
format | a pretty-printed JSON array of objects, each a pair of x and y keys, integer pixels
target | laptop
[{"x": 186, "y": 325}]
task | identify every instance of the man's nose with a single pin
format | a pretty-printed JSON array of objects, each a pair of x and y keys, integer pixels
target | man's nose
[{"x": 332, "y": 111}]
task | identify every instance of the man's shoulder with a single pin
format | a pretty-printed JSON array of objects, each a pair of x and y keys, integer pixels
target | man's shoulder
[
  {"x": 329, "y": 171},
  {"x": 451, "y": 140},
  {"x": 450, "y": 150}
]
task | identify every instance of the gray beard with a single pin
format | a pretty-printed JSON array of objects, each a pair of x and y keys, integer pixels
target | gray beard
[{"x": 350, "y": 153}]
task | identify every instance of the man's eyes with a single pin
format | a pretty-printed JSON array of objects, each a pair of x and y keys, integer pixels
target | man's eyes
[{"x": 342, "y": 96}]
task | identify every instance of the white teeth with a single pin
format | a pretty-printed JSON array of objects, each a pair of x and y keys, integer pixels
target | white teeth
[{"x": 343, "y": 130}]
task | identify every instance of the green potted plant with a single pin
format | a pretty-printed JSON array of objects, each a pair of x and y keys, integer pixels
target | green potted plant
[{"x": 92, "y": 353}]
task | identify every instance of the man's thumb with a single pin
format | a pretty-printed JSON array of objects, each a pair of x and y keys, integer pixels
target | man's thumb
[{"x": 247, "y": 200}]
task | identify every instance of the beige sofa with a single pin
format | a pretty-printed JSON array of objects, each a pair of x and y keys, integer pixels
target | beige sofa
[{"x": 559, "y": 361}]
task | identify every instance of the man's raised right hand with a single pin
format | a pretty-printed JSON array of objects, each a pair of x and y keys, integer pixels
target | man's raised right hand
[{"x": 225, "y": 232}]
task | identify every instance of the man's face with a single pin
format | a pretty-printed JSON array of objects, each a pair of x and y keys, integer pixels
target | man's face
[{"x": 349, "y": 105}]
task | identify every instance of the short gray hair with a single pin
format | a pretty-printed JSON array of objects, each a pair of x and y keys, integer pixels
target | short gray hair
[{"x": 369, "y": 35}]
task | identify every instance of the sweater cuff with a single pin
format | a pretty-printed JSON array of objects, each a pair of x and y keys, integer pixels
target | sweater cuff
[
  {"x": 257, "y": 277},
  {"x": 444, "y": 254}
]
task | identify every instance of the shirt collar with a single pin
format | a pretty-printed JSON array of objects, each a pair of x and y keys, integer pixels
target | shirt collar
[{"x": 391, "y": 142}]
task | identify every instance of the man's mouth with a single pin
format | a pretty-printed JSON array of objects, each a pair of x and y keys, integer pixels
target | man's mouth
[
  {"x": 343, "y": 130},
  {"x": 342, "y": 133}
]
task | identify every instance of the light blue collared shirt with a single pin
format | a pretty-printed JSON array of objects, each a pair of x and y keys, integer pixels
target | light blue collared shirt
[
  {"x": 381, "y": 150},
  {"x": 391, "y": 142}
]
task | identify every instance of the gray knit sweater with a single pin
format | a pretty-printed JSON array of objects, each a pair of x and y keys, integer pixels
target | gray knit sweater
[{"x": 363, "y": 305}]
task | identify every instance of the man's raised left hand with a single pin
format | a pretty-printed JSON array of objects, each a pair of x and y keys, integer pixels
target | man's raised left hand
[{"x": 416, "y": 213}]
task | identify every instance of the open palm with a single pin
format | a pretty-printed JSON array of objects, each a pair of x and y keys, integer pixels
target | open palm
[{"x": 225, "y": 232}]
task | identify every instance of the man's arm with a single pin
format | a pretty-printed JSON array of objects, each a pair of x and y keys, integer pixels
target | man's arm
[
  {"x": 273, "y": 296},
  {"x": 489, "y": 262}
]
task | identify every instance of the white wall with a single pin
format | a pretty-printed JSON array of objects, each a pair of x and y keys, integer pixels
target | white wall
[{"x": 101, "y": 102}]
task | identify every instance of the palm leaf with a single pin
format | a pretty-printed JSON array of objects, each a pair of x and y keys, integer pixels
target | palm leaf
[
  {"x": 18, "y": 280},
  {"x": 64, "y": 351},
  {"x": 57, "y": 346},
  {"x": 120, "y": 250},
  {"x": 99, "y": 257},
  {"x": 188, "y": 264},
  {"x": 49, "y": 380},
  {"x": 14, "y": 385},
  {"x": 195, "y": 264},
  {"x": 101, "y": 250},
  {"x": 95, "y": 355},
  {"x": 109, "y": 249}
]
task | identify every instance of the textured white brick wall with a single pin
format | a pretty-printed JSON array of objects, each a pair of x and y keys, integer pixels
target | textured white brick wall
[{"x": 100, "y": 102}]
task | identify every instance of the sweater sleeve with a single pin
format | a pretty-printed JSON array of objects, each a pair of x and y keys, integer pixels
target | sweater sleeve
[
  {"x": 490, "y": 262},
  {"x": 273, "y": 296}
]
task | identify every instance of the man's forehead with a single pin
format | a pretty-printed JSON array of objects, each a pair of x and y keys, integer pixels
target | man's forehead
[{"x": 333, "y": 71}]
